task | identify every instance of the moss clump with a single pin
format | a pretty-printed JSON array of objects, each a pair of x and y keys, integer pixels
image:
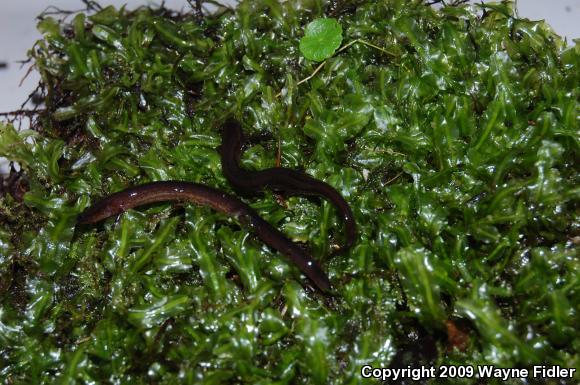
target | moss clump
[{"x": 456, "y": 143}]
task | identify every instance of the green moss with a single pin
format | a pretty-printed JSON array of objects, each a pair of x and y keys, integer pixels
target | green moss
[{"x": 453, "y": 134}]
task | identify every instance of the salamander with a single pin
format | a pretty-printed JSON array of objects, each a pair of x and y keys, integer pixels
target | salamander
[{"x": 147, "y": 193}]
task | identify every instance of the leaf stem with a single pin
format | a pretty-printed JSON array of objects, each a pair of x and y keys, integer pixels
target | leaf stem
[{"x": 319, "y": 67}]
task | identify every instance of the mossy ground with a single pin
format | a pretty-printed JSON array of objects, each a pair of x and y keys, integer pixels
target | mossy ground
[{"x": 458, "y": 151}]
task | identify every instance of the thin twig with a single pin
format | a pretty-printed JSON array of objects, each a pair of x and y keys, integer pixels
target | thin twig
[
  {"x": 376, "y": 47},
  {"x": 25, "y": 61},
  {"x": 52, "y": 10},
  {"x": 23, "y": 112},
  {"x": 393, "y": 178},
  {"x": 347, "y": 45},
  {"x": 313, "y": 74},
  {"x": 92, "y": 5},
  {"x": 197, "y": 9},
  {"x": 457, "y": 3},
  {"x": 435, "y": 2},
  {"x": 219, "y": 5},
  {"x": 31, "y": 95},
  {"x": 26, "y": 75},
  {"x": 367, "y": 44}
]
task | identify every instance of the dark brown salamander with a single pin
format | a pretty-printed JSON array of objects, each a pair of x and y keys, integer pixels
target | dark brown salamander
[
  {"x": 192, "y": 192},
  {"x": 278, "y": 179}
]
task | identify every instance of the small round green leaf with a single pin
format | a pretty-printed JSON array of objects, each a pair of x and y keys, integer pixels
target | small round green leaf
[{"x": 321, "y": 39}]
